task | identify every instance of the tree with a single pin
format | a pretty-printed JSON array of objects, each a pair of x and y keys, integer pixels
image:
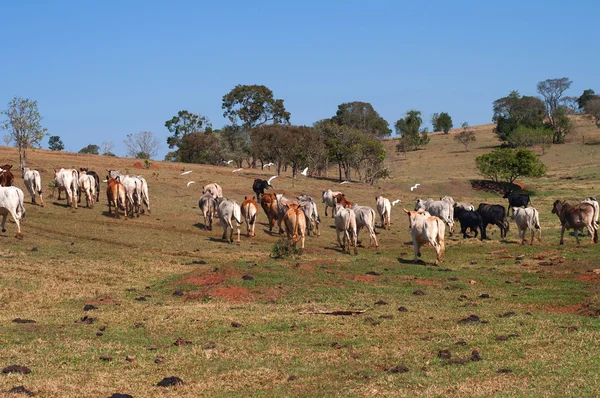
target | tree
[
  {"x": 585, "y": 97},
  {"x": 513, "y": 111},
  {"x": 55, "y": 143},
  {"x": 142, "y": 145},
  {"x": 466, "y": 136},
  {"x": 182, "y": 126},
  {"x": 7, "y": 139},
  {"x": 91, "y": 149},
  {"x": 506, "y": 165},
  {"x": 235, "y": 144},
  {"x": 528, "y": 136},
  {"x": 24, "y": 125},
  {"x": 592, "y": 107},
  {"x": 253, "y": 106},
  {"x": 361, "y": 116},
  {"x": 441, "y": 122},
  {"x": 342, "y": 143},
  {"x": 107, "y": 148},
  {"x": 410, "y": 128},
  {"x": 552, "y": 90}
]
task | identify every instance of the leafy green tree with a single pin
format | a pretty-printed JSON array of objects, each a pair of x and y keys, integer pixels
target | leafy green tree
[
  {"x": 465, "y": 136},
  {"x": 506, "y": 165},
  {"x": 142, "y": 145},
  {"x": 410, "y": 128},
  {"x": 24, "y": 125},
  {"x": 592, "y": 107},
  {"x": 55, "y": 143},
  {"x": 91, "y": 149},
  {"x": 552, "y": 91},
  {"x": 183, "y": 126},
  {"x": 269, "y": 144},
  {"x": 342, "y": 143},
  {"x": 441, "y": 122},
  {"x": 361, "y": 116},
  {"x": 585, "y": 97},
  {"x": 235, "y": 144},
  {"x": 513, "y": 111},
  {"x": 528, "y": 136}
]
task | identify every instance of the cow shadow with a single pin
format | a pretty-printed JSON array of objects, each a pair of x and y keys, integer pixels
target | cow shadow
[
  {"x": 105, "y": 213},
  {"x": 418, "y": 262},
  {"x": 202, "y": 226},
  {"x": 272, "y": 233},
  {"x": 337, "y": 249},
  {"x": 58, "y": 204}
]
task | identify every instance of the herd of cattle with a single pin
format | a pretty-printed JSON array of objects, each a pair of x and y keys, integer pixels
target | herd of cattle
[{"x": 299, "y": 216}]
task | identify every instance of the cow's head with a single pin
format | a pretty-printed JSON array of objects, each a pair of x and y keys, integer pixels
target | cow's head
[
  {"x": 557, "y": 206},
  {"x": 507, "y": 194}
]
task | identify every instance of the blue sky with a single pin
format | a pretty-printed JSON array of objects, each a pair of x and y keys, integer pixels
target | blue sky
[{"x": 101, "y": 70}]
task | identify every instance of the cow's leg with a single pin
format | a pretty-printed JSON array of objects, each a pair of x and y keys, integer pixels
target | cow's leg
[
  {"x": 238, "y": 232},
  {"x": 4, "y": 222},
  {"x": 224, "y": 225},
  {"x": 355, "y": 240},
  {"x": 337, "y": 231},
  {"x": 576, "y": 235},
  {"x": 346, "y": 241},
  {"x": 562, "y": 234},
  {"x": 416, "y": 250}
]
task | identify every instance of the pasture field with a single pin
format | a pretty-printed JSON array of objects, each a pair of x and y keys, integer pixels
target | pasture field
[{"x": 236, "y": 325}]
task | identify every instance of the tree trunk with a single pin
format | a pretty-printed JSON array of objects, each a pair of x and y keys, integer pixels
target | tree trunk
[
  {"x": 340, "y": 170},
  {"x": 326, "y": 168}
]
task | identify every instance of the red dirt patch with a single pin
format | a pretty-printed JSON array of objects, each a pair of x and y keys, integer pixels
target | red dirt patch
[
  {"x": 306, "y": 267},
  {"x": 587, "y": 308},
  {"x": 318, "y": 262},
  {"x": 138, "y": 165},
  {"x": 587, "y": 278},
  {"x": 154, "y": 166},
  {"x": 233, "y": 293},
  {"x": 207, "y": 279},
  {"x": 365, "y": 278},
  {"x": 569, "y": 309}
]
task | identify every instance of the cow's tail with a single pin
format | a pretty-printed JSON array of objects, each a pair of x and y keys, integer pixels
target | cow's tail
[
  {"x": 118, "y": 200},
  {"x": 20, "y": 206},
  {"x": 506, "y": 223},
  {"x": 38, "y": 183},
  {"x": 237, "y": 213},
  {"x": 536, "y": 219},
  {"x": 253, "y": 218},
  {"x": 440, "y": 238}
]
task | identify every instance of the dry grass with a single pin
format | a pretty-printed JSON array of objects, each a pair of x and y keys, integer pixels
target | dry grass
[{"x": 85, "y": 257}]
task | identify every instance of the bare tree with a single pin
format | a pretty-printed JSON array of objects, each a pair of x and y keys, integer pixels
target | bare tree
[
  {"x": 106, "y": 148},
  {"x": 466, "y": 136},
  {"x": 7, "y": 139},
  {"x": 142, "y": 145},
  {"x": 552, "y": 90},
  {"x": 592, "y": 107},
  {"x": 23, "y": 125}
]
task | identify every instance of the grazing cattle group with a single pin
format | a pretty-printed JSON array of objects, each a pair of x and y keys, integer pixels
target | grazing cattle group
[{"x": 300, "y": 216}]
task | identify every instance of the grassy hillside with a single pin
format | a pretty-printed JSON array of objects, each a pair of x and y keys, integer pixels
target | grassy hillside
[{"x": 173, "y": 295}]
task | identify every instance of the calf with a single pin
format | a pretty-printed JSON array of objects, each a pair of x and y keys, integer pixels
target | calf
[
  {"x": 493, "y": 214},
  {"x": 11, "y": 202},
  {"x": 329, "y": 200},
  {"x": 527, "y": 218},
  {"x": 468, "y": 219},
  {"x": 516, "y": 200},
  {"x": 438, "y": 208},
  {"x": 345, "y": 221},
  {"x": 577, "y": 217},
  {"x": 341, "y": 199},
  {"x": 229, "y": 211},
  {"x": 250, "y": 211},
  {"x": 384, "y": 208},
  {"x": 33, "y": 183},
  {"x": 259, "y": 187},
  {"x": 6, "y": 176},
  {"x": 208, "y": 206},
  {"x": 268, "y": 202},
  {"x": 115, "y": 194},
  {"x": 295, "y": 224},
  {"x": 426, "y": 229}
]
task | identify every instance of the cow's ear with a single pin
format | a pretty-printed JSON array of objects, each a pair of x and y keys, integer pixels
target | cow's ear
[
  {"x": 254, "y": 198},
  {"x": 245, "y": 198},
  {"x": 421, "y": 211},
  {"x": 406, "y": 211}
]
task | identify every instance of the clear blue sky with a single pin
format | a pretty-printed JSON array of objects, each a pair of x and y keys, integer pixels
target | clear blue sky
[{"x": 100, "y": 70}]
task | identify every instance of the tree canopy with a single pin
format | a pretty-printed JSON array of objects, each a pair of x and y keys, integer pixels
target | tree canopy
[
  {"x": 410, "y": 131},
  {"x": 506, "y": 165},
  {"x": 441, "y": 122},
  {"x": 513, "y": 111},
  {"x": 142, "y": 145},
  {"x": 585, "y": 97},
  {"x": 552, "y": 91},
  {"x": 91, "y": 149},
  {"x": 252, "y": 106},
  {"x": 183, "y": 126},
  {"x": 55, "y": 143},
  {"x": 361, "y": 116}
]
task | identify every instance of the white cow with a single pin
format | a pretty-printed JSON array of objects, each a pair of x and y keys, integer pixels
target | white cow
[
  {"x": 426, "y": 229},
  {"x": 438, "y": 208},
  {"x": 309, "y": 207},
  {"x": 214, "y": 188},
  {"x": 345, "y": 221},
  {"x": 11, "y": 202},
  {"x": 464, "y": 206},
  {"x": 230, "y": 210},
  {"x": 67, "y": 180},
  {"x": 384, "y": 208},
  {"x": 133, "y": 193},
  {"x": 87, "y": 185},
  {"x": 145, "y": 197},
  {"x": 329, "y": 200},
  {"x": 592, "y": 201},
  {"x": 249, "y": 211},
  {"x": 527, "y": 218},
  {"x": 33, "y": 183},
  {"x": 365, "y": 217},
  {"x": 208, "y": 206}
]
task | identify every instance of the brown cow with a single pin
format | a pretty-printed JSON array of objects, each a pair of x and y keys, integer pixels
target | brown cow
[
  {"x": 268, "y": 201},
  {"x": 249, "y": 212},
  {"x": 6, "y": 176},
  {"x": 116, "y": 197},
  {"x": 341, "y": 199},
  {"x": 295, "y": 223},
  {"x": 577, "y": 217}
]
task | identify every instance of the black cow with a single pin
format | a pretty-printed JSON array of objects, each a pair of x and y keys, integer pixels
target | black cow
[
  {"x": 469, "y": 219},
  {"x": 516, "y": 200},
  {"x": 96, "y": 178},
  {"x": 493, "y": 214},
  {"x": 259, "y": 187}
]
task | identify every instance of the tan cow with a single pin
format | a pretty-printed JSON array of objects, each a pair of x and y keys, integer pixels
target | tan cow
[
  {"x": 527, "y": 218},
  {"x": 426, "y": 229},
  {"x": 577, "y": 217},
  {"x": 345, "y": 221},
  {"x": 295, "y": 223},
  {"x": 249, "y": 212},
  {"x": 115, "y": 193},
  {"x": 268, "y": 202}
]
